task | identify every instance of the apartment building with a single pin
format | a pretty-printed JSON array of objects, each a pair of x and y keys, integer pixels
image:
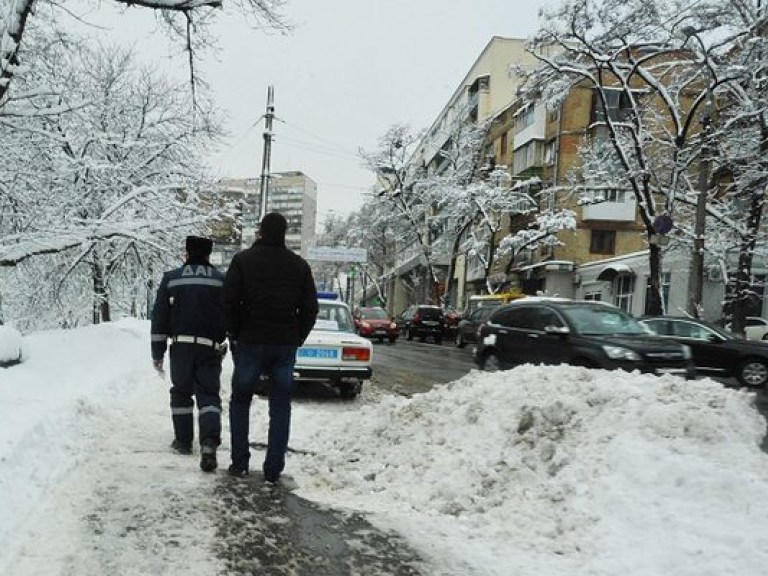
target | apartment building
[
  {"x": 487, "y": 88},
  {"x": 293, "y": 194}
]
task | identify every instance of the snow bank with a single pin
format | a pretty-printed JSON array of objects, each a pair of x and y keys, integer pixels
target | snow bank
[{"x": 566, "y": 470}]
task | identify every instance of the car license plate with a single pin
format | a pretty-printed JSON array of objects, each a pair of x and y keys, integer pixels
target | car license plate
[
  {"x": 317, "y": 353},
  {"x": 382, "y": 332},
  {"x": 430, "y": 323}
]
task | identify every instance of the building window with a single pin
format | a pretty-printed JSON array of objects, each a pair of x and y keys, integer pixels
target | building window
[
  {"x": 617, "y": 103},
  {"x": 624, "y": 287},
  {"x": 665, "y": 281},
  {"x": 524, "y": 117},
  {"x": 594, "y": 295},
  {"x": 503, "y": 144},
  {"x": 549, "y": 152},
  {"x": 614, "y": 195},
  {"x": 602, "y": 242}
]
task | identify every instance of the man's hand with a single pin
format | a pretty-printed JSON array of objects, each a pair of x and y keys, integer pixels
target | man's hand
[{"x": 158, "y": 366}]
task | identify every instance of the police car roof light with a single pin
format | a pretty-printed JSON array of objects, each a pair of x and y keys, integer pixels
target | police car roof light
[{"x": 327, "y": 296}]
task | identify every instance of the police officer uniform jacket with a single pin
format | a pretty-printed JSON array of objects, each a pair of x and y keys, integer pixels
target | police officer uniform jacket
[{"x": 189, "y": 304}]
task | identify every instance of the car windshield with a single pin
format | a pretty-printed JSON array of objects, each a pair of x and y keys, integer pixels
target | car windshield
[
  {"x": 602, "y": 320},
  {"x": 332, "y": 317},
  {"x": 373, "y": 314}
]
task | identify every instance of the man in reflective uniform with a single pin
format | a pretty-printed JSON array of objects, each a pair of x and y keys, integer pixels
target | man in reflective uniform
[{"x": 189, "y": 310}]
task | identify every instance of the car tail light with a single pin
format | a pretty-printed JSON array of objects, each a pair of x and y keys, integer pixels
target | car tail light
[
  {"x": 353, "y": 353},
  {"x": 393, "y": 326}
]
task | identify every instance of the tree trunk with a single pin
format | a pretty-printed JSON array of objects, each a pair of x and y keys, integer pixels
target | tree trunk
[
  {"x": 101, "y": 309},
  {"x": 744, "y": 268},
  {"x": 448, "y": 296},
  {"x": 655, "y": 304}
]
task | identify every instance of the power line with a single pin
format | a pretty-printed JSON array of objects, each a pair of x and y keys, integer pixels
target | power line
[{"x": 344, "y": 147}]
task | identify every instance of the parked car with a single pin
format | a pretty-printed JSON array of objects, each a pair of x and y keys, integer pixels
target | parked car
[
  {"x": 451, "y": 319},
  {"x": 755, "y": 328},
  {"x": 716, "y": 352},
  {"x": 422, "y": 321},
  {"x": 375, "y": 323},
  {"x": 333, "y": 353},
  {"x": 466, "y": 331},
  {"x": 577, "y": 332}
]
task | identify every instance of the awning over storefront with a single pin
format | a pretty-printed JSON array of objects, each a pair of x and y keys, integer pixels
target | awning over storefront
[{"x": 610, "y": 272}]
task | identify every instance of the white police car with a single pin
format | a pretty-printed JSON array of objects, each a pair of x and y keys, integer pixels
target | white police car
[{"x": 333, "y": 353}]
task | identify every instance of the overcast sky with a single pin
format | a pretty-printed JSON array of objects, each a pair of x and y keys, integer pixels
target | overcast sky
[{"x": 348, "y": 71}]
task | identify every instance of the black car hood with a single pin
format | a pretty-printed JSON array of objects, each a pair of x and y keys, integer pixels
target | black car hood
[{"x": 639, "y": 343}]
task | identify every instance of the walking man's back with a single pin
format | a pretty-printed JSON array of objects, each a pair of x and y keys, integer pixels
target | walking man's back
[{"x": 271, "y": 305}]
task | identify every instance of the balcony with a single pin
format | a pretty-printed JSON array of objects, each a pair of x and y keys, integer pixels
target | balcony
[{"x": 614, "y": 205}]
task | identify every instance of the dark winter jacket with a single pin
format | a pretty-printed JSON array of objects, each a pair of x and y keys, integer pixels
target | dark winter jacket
[
  {"x": 189, "y": 302},
  {"x": 269, "y": 296}
]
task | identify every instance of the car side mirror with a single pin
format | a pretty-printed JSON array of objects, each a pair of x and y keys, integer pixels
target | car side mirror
[{"x": 714, "y": 338}]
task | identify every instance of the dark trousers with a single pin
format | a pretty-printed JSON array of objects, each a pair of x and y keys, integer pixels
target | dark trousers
[
  {"x": 196, "y": 371},
  {"x": 250, "y": 363}
]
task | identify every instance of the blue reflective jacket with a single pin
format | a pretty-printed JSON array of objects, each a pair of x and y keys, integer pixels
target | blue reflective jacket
[{"x": 189, "y": 302}]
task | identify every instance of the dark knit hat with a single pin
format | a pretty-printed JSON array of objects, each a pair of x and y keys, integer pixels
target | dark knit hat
[
  {"x": 272, "y": 228},
  {"x": 199, "y": 246}
]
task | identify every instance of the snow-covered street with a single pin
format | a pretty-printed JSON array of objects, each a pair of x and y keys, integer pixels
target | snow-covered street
[{"x": 532, "y": 471}]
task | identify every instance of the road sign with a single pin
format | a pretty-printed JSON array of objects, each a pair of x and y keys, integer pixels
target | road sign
[
  {"x": 334, "y": 254},
  {"x": 663, "y": 224}
]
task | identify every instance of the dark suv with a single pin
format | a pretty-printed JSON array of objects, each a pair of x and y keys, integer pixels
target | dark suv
[
  {"x": 422, "y": 321},
  {"x": 577, "y": 332}
]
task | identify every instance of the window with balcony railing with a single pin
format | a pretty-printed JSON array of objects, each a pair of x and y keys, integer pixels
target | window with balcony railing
[
  {"x": 525, "y": 117},
  {"x": 527, "y": 156}
]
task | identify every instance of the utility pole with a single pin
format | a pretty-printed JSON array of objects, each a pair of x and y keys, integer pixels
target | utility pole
[
  {"x": 699, "y": 228},
  {"x": 266, "y": 157}
]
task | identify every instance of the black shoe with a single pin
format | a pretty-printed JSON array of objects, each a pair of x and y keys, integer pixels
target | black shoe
[
  {"x": 208, "y": 458},
  {"x": 270, "y": 477},
  {"x": 181, "y": 447},
  {"x": 237, "y": 472}
]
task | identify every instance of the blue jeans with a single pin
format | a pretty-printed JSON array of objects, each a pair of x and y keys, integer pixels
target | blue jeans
[{"x": 250, "y": 362}]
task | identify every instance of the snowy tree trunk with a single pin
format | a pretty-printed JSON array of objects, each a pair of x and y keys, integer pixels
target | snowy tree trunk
[
  {"x": 655, "y": 304},
  {"x": 744, "y": 270},
  {"x": 101, "y": 309}
]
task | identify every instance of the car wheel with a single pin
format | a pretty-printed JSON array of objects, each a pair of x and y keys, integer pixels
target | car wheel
[
  {"x": 492, "y": 363},
  {"x": 753, "y": 372},
  {"x": 408, "y": 334},
  {"x": 392, "y": 340},
  {"x": 765, "y": 336},
  {"x": 459, "y": 341},
  {"x": 380, "y": 340}
]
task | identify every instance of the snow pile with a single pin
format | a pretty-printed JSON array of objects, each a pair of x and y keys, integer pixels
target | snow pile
[
  {"x": 561, "y": 467},
  {"x": 70, "y": 378},
  {"x": 12, "y": 346}
]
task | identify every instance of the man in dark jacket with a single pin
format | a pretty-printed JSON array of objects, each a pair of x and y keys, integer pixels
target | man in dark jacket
[
  {"x": 271, "y": 305},
  {"x": 189, "y": 310}
]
